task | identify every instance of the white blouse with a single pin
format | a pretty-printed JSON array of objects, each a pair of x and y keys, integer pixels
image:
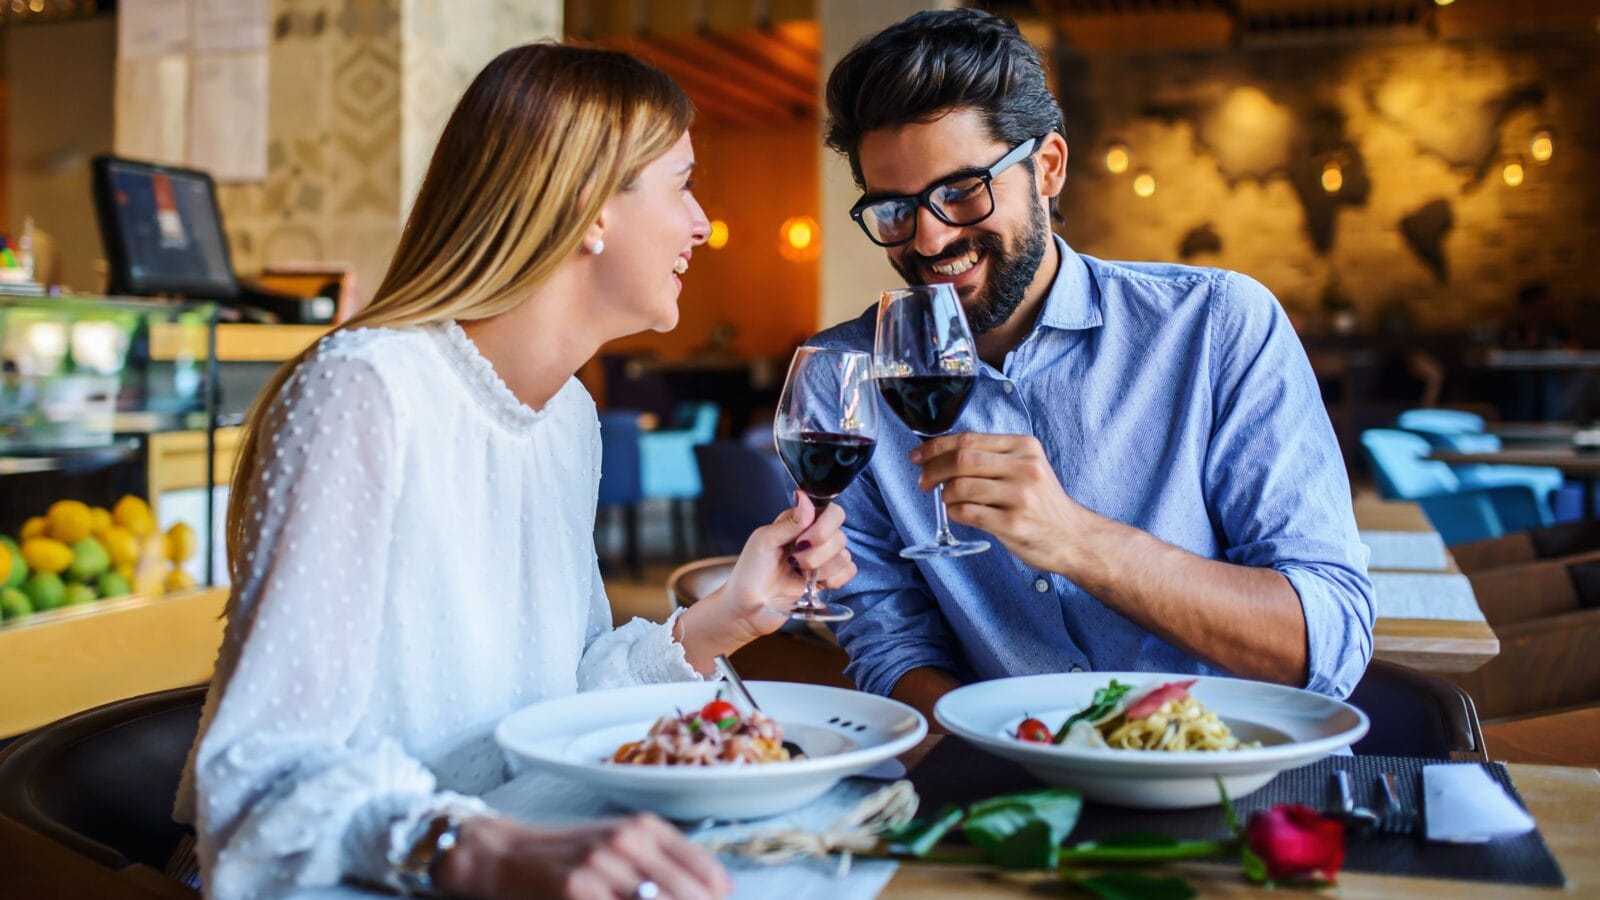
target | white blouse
[{"x": 424, "y": 564}]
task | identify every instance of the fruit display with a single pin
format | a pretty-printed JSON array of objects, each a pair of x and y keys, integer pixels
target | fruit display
[{"x": 78, "y": 554}]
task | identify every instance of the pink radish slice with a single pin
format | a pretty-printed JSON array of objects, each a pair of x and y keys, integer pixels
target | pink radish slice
[{"x": 1157, "y": 698}]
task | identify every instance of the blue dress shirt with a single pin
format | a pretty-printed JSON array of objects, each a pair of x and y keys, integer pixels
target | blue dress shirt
[{"x": 1177, "y": 400}]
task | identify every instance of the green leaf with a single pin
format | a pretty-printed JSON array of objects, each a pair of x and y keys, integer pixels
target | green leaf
[
  {"x": 1255, "y": 868},
  {"x": 1133, "y": 886},
  {"x": 919, "y": 836},
  {"x": 1105, "y": 700},
  {"x": 1229, "y": 815},
  {"x": 1024, "y": 830},
  {"x": 729, "y": 722}
]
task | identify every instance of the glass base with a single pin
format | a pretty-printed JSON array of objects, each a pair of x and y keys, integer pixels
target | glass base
[
  {"x": 935, "y": 550},
  {"x": 826, "y": 612}
]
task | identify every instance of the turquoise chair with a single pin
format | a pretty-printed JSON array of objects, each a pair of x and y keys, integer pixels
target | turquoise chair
[
  {"x": 1462, "y": 432},
  {"x": 1460, "y": 513},
  {"x": 668, "y": 470}
]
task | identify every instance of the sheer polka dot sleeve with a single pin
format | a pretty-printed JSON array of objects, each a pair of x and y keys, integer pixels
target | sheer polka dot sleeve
[{"x": 284, "y": 796}]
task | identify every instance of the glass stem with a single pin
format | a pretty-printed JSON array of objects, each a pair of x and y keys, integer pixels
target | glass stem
[
  {"x": 941, "y": 517},
  {"x": 810, "y": 600}
]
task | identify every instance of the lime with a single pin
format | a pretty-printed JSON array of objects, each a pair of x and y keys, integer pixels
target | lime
[
  {"x": 112, "y": 584},
  {"x": 45, "y": 590},
  {"x": 19, "y": 568},
  {"x": 89, "y": 559},
  {"x": 77, "y": 594},
  {"x": 14, "y": 603}
]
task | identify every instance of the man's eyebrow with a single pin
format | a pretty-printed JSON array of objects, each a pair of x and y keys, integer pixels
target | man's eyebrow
[{"x": 964, "y": 172}]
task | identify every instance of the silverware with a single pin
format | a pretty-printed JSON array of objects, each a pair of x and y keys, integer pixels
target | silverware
[
  {"x": 1358, "y": 817},
  {"x": 1397, "y": 817},
  {"x": 726, "y": 668}
]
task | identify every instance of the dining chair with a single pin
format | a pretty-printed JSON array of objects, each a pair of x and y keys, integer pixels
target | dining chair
[
  {"x": 100, "y": 784},
  {"x": 621, "y": 490},
  {"x": 1564, "y": 539},
  {"x": 668, "y": 470},
  {"x": 1416, "y": 714},
  {"x": 1462, "y": 432},
  {"x": 1402, "y": 470},
  {"x": 743, "y": 488},
  {"x": 801, "y": 652}
]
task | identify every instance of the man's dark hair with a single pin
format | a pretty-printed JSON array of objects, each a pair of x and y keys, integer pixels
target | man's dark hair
[{"x": 933, "y": 63}]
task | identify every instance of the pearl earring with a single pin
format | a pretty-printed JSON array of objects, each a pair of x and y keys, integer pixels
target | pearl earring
[{"x": 598, "y": 248}]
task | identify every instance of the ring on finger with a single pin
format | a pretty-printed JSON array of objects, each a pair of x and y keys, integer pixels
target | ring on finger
[{"x": 647, "y": 890}]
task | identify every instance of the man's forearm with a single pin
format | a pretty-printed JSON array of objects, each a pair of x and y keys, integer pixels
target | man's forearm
[
  {"x": 921, "y": 688},
  {"x": 1246, "y": 620}
]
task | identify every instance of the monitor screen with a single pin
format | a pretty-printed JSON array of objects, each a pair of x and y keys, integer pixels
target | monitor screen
[{"x": 162, "y": 230}]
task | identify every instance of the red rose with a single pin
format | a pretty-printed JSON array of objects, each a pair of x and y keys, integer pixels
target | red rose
[{"x": 1296, "y": 842}]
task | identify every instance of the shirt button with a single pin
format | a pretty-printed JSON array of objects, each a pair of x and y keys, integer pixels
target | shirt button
[
  {"x": 1041, "y": 584},
  {"x": 1077, "y": 668},
  {"x": 1008, "y": 387}
]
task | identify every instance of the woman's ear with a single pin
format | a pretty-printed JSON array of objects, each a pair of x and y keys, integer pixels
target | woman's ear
[
  {"x": 594, "y": 236},
  {"x": 1052, "y": 156}
]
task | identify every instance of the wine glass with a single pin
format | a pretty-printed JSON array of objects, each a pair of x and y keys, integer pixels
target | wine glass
[
  {"x": 926, "y": 366},
  {"x": 826, "y": 430}
]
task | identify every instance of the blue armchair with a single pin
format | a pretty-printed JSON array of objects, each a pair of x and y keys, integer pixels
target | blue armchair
[
  {"x": 668, "y": 468},
  {"x": 1461, "y": 513},
  {"x": 1462, "y": 432},
  {"x": 745, "y": 488},
  {"x": 620, "y": 470}
]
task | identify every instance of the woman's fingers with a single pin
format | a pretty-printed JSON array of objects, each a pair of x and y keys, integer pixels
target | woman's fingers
[
  {"x": 837, "y": 572},
  {"x": 687, "y": 871},
  {"x": 816, "y": 549}
]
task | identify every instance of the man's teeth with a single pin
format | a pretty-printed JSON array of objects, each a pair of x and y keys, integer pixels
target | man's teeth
[
  {"x": 680, "y": 266},
  {"x": 958, "y": 265}
]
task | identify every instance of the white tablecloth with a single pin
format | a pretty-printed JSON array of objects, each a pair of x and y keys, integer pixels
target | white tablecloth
[
  {"x": 1420, "y": 550},
  {"x": 1412, "y": 595}
]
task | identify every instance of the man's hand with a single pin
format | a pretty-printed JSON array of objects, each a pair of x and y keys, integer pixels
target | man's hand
[{"x": 1003, "y": 484}]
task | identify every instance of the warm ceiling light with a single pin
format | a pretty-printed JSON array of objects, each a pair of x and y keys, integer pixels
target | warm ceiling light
[
  {"x": 1443, "y": 2},
  {"x": 1117, "y": 159},
  {"x": 1512, "y": 173},
  {"x": 1332, "y": 177},
  {"x": 800, "y": 239},
  {"x": 1541, "y": 148},
  {"x": 718, "y": 238},
  {"x": 1144, "y": 184}
]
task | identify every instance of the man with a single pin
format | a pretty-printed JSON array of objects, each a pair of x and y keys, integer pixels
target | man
[{"x": 1146, "y": 443}]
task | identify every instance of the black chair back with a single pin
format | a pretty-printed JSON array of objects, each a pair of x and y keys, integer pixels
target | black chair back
[
  {"x": 742, "y": 489},
  {"x": 1416, "y": 714},
  {"x": 102, "y": 782}
]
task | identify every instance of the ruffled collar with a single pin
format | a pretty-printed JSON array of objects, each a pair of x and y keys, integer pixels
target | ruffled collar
[{"x": 484, "y": 383}]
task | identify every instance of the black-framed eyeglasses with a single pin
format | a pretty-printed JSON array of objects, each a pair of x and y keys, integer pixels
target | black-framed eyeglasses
[{"x": 963, "y": 199}]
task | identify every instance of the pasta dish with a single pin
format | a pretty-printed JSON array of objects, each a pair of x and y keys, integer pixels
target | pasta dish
[
  {"x": 1163, "y": 717},
  {"x": 712, "y": 736}
]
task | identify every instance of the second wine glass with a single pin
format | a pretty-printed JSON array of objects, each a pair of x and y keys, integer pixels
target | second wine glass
[
  {"x": 826, "y": 430},
  {"x": 926, "y": 365}
]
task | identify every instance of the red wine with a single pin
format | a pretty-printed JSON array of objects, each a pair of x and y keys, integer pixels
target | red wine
[
  {"x": 928, "y": 404},
  {"x": 824, "y": 464}
]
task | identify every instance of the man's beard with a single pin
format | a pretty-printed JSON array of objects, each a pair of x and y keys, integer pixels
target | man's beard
[{"x": 1009, "y": 274}]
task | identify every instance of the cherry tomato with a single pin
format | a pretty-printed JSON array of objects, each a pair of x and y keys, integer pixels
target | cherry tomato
[
  {"x": 1034, "y": 732},
  {"x": 718, "y": 712}
]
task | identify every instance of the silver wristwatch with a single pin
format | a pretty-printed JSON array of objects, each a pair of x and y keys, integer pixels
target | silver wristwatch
[{"x": 415, "y": 875}]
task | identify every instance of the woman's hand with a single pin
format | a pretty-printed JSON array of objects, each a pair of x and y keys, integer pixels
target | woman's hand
[
  {"x": 499, "y": 858},
  {"x": 768, "y": 577}
]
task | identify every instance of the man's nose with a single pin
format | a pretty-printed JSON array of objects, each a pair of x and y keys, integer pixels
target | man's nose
[{"x": 933, "y": 234}]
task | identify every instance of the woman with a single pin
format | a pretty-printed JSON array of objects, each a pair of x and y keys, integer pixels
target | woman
[{"x": 410, "y": 526}]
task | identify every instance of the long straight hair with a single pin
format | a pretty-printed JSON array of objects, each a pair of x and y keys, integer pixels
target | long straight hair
[{"x": 542, "y": 138}]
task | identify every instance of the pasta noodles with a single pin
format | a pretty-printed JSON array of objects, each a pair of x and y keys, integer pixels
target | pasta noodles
[
  {"x": 1163, "y": 717},
  {"x": 689, "y": 740},
  {"x": 1177, "y": 725}
]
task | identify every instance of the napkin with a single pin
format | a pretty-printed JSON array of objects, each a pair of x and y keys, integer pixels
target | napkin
[{"x": 1464, "y": 806}]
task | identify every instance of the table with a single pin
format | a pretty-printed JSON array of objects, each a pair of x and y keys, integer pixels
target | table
[
  {"x": 1559, "y": 738},
  {"x": 1584, "y": 467},
  {"x": 1548, "y": 433},
  {"x": 1564, "y": 801}
]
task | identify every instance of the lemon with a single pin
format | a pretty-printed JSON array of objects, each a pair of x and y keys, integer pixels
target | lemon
[
  {"x": 19, "y": 568},
  {"x": 180, "y": 542},
  {"x": 134, "y": 514},
  {"x": 179, "y": 580},
  {"x": 99, "y": 520},
  {"x": 126, "y": 571},
  {"x": 5, "y": 566},
  {"x": 122, "y": 545},
  {"x": 38, "y": 526},
  {"x": 46, "y": 555},
  {"x": 69, "y": 521}
]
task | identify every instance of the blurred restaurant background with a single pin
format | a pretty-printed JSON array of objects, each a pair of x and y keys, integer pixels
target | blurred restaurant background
[{"x": 1415, "y": 180}]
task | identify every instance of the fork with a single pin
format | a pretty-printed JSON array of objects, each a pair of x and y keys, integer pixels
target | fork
[{"x": 1397, "y": 817}]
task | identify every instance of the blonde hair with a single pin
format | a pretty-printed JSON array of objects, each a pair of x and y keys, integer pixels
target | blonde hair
[{"x": 542, "y": 138}]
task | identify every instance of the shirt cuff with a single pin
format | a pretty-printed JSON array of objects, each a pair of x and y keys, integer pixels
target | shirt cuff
[{"x": 653, "y": 656}]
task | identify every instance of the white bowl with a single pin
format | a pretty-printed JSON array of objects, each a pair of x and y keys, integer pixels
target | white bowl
[
  {"x": 841, "y": 732},
  {"x": 1295, "y": 727}
]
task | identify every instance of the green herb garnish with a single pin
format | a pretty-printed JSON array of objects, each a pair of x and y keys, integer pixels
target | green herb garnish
[{"x": 1105, "y": 700}]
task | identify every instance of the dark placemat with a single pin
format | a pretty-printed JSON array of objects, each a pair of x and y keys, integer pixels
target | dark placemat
[{"x": 955, "y": 771}]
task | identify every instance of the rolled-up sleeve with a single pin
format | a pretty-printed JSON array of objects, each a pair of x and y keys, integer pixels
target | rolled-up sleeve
[
  {"x": 897, "y": 625},
  {"x": 1276, "y": 482}
]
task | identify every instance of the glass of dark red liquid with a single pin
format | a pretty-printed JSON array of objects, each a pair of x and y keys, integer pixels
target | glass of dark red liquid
[
  {"x": 826, "y": 430},
  {"x": 926, "y": 365}
]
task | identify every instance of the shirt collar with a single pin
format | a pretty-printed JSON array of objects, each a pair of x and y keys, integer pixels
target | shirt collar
[{"x": 1073, "y": 303}]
